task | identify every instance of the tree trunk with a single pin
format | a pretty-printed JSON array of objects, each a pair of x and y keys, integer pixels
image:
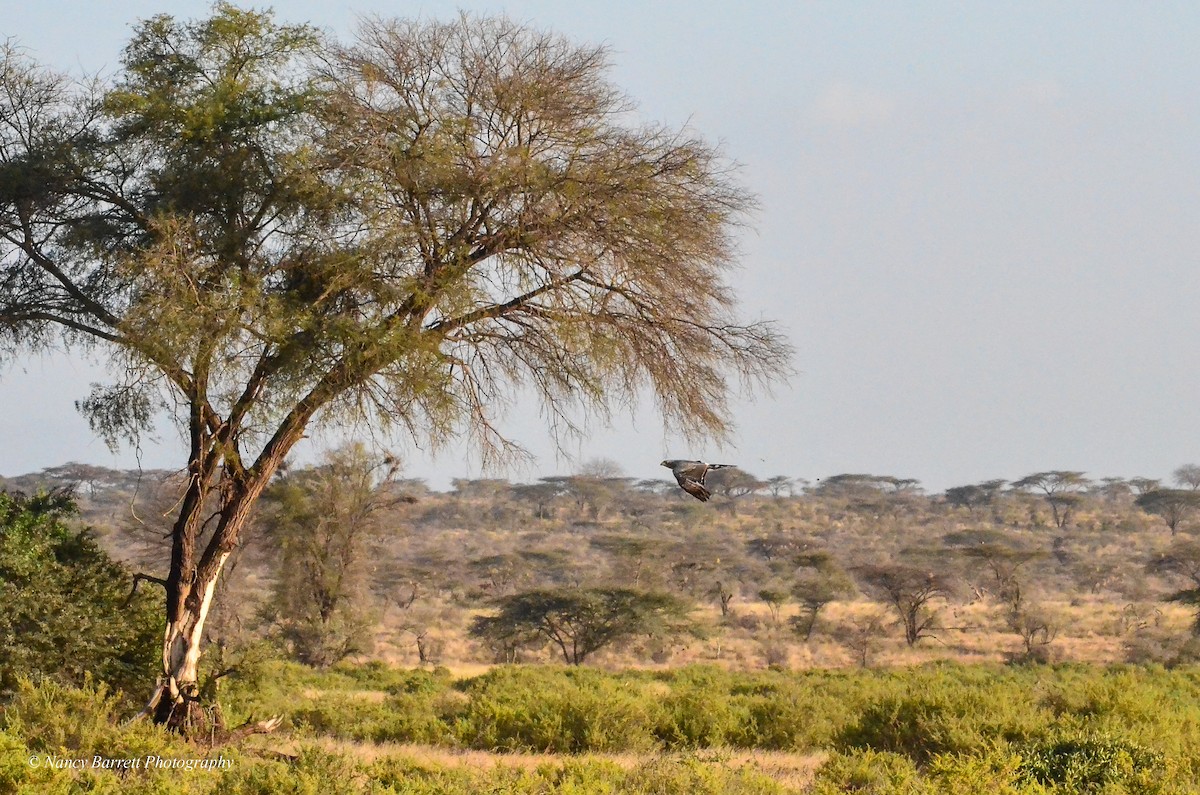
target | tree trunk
[{"x": 176, "y": 700}]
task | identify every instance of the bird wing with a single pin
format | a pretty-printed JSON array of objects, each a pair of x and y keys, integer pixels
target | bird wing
[
  {"x": 690, "y": 469},
  {"x": 694, "y": 488}
]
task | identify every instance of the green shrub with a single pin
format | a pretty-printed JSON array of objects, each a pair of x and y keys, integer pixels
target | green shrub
[
  {"x": 868, "y": 773},
  {"x": 313, "y": 772},
  {"x": 789, "y": 715},
  {"x": 943, "y": 716},
  {"x": 67, "y": 612},
  {"x": 699, "y": 714},
  {"x": 1086, "y": 763},
  {"x": 995, "y": 772},
  {"x": 81, "y": 722},
  {"x": 565, "y": 711}
]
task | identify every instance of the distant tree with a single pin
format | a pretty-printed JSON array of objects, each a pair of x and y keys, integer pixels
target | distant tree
[
  {"x": 863, "y": 635},
  {"x": 500, "y": 571},
  {"x": 1188, "y": 475},
  {"x": 482, "y": 489},
  {"x": 701, "y": 562},
  {"x": 595, "y": 488},
  {"x": 781, "y": 486},
  {"x": 420, "y": 621},
  {"x": 776, "y": 546},
  {"x": 1115, "y": 490},
  {"x": 87, "y": 478},
  {"x": 909, "y": 590},
  {"x": 1060, "y": 489},
  {"x": 1142, "y": 485},
  {"x": 1037, "y": 630},
  {"x": 774, "y": 597},
  {"x": 656, "y": 486},
  {"x": 322, "y": 519},
  {"x": 541, "y": 495},
  {"x": 68, "y": 611},
  {"x": 630, "y": 553},
  {"x": 269, "y": 231},
  {"x": 1182, "y": 560},
  {"x": 819, "y": 580},
  {"x": 975, "y": 497},
  {"x": 812, "y": 592},
  {"x": 1174, "y": 506},
  {"x": 870, "y": 494},
  {"x": 1003, "y": 563},
  {"x": 505, "y": 638},
  {"x": 733, "y": 483},
  {"x": 852, "y": 485},
  {"x": 724, "y": 594},
  {"x": 601, "y": 469},
  {"x": 580, "y": 622}
]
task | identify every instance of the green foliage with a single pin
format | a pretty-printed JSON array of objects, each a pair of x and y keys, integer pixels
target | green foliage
[
  {"x": 941, "y": 721},
  {"x": 1088, "y": 763},
  {"x": 321, "y": 520},
  {"x": 66, "y": 609},
  {"x": 933, "y": 730},
  {"x": 568, "y": 711},
  {"x": 697, "y": 712},
  {"x": 49, "y": 720},
  {"x": 869, "y": 773}
]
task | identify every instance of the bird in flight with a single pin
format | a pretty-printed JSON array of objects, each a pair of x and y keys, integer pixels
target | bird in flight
[{"x": 690, "y": 475}]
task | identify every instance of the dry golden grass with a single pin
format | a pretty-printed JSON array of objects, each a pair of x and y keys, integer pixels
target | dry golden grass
[{"x": 1090, "y": 629}]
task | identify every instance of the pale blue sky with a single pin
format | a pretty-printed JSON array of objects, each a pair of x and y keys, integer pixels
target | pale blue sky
[{"x": 980, "y": 227}]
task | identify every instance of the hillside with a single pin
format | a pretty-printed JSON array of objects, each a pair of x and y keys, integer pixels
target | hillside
[{"x": 781, "y": 573}]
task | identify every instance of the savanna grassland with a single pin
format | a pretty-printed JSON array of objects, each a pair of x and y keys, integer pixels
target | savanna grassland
[{"x": 850, "y": 635}]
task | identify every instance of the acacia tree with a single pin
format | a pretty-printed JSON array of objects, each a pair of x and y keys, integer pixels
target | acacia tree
[
  {"x": 1062, "y": 491},
  {"x": 1003, "y": 563},
  {"x": 399, "y": 230},
  {"x": 908, "y": 589},
  {"x": 1173, "y": 505},
  {"x": 1182, "y": 560},
  {"x": 1188, "y": 475},
  {"x": 580, "y": 622}
]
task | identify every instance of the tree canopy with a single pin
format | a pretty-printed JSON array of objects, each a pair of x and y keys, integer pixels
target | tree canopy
[
  {"x": 267, "y": 228},
  {"x": 580, "y": 622}
]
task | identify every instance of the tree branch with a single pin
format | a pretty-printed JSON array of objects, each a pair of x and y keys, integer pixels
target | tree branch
[{"x": 140, "y": 577}]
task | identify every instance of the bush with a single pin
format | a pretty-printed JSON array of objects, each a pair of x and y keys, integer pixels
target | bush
[
  {"x": 789, "y": 716},
  {"x": 868, "y": 773},
  {"x": 66, "y": 609},
  {"x": 698, "y": 712},
  {"x": 48, "y": 719},
  {"x": 565, "y": 711},
  {"x": 1085, "y": 763}
]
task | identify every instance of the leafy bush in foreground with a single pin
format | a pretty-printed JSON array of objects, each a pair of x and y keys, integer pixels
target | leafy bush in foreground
[{"x": 67, "y": 612}]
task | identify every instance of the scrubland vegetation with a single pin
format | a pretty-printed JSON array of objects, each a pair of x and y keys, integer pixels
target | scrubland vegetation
[
  {"x": 936, "y": 728},
  {"x": 851, "y": 635},
  {"x": 350, "y": 560}
]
